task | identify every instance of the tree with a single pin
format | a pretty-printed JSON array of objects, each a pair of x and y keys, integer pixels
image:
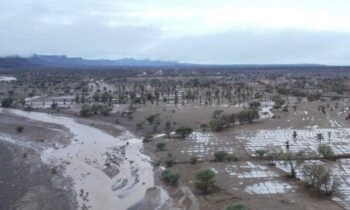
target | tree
[
  {"x": 217, "y": 124},
  {"x": 6, "y": 102},
  {"x": 193, "y": 159},
  {"x": 204, "y": 126},
  {"x": 217, "y": 113},
  {"x": 254, "y": 104},
  {"x": 85, "y": 110},
  {"x": 325, "y": 150},
  {"x": 220, "y": 156},
  {"x": 152, "y": 118},
  {"x": 205, "y": 181},
  {"x": 19, "y": 129},
  {"x": 318, "y": 177},
  {"x": 294, "y": 160},
  {"x": 161, "y": 146},
  {"x": 184, "y": 131},
  {"x": 105, "y": 110},
  {"x": 274, "y": 154},
  {"x": 170, "y": 178},
  {"x": 260, "y": 152}
]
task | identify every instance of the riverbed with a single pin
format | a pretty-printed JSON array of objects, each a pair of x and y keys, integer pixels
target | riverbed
[{"x": 108, "y": 172}]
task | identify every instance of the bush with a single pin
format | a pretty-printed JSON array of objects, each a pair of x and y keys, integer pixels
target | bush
[
  {"x": 194, "y": 159},
  {"x": 152, "y": 118},
  {"x": 260, "y": 152},
  {"x": 204, "y": 126},
  {"x": 236, "y": 206},
  {"x": 318, "y": 177},
  {"x": 161, "y": 146},
  {"x": 325, "y": 150},
  {"x": 6, "y": 102},
  {"x": 220, "y": 156},
  {"x": 205, "y": 181},
  {"x": 169, "y": 163},
  {"x": 254, "y": 104},
  {"x": 278, "y": 102},
  {"x": 85, "y": 110},
  {"x": 184, "y": 131},
  {"x": 230, "y": 157},
  {"x": 19, "y": 129},
  {"x": 294, "y": 161},
  {"x": 217, "y": 124},
  {"x": 170, "y": 178},
  {"x": 147, "y": 139},
  {"x": 274, "y": 154},
  {"x": 139, "y": 126}
]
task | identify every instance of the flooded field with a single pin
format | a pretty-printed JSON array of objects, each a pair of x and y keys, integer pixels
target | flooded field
[{"x": 7, "y": 78}]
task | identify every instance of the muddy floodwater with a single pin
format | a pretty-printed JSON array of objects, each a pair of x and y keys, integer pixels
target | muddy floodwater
[
  {"x": 108, "y": 172},
  {"x": 7, "y": 78}
]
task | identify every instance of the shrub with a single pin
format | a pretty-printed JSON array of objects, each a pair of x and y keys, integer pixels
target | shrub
[
  {"x": 230, "y": 157},
  {"x": 19, "y": 129},
  {"x": 184, "y": 131},
  {"x": 152, "y": 118},
  {"x": 274, "y": 154},
  {"x": 6, "y": 102},
  {"x": 254, "y": 104},
  {"x": 325, "y": 150},
  {"x": 147, "y": 139},
  {"x": 278, "y": 102},
  {"x": 236, "y": 206},
  {"x": 260, "y": 152},
  {"x": 318, "y": 177},
  {"x": 193, "y": 159},
  {"x": 85, "y": 110},
  {"x": 169, "y": 163},
  {"x": 217, "y": 124},
  {"x": 139, "y": 126},
  {"x": 161, "y": 146},
  {"x": 170, "y": 178},
  {"x": 294, "y": 161},
  {"x": 204, "y": 126},
  {"x": 220, "y": 156},
  {"x": 205, "y": 181}
]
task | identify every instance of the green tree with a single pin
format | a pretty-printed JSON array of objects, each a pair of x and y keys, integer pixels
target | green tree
[
  {"x": 161, "y": 146},
  {"x": 85, "y": 110},
  {"x": 294, "y": 161},
  {"x": 205, "y": 181},
  {"x": 220, "y": 156},
  {"x": 19, "y": 129},
  {"x": 170, "y": 178},
  {"x": 325, "y": 150},
  {"x": 184, "y": 131},
  {"x": 6, "y": 102}
]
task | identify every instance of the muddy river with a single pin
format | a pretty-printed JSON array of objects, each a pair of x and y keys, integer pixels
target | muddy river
[{"x": 108, "y": 172}]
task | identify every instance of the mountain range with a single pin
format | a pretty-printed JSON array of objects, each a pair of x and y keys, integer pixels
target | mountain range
[{"x": 62, "y": 61}]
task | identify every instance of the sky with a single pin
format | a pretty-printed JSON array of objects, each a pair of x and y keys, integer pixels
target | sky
[{"x": 196, "y": 31}]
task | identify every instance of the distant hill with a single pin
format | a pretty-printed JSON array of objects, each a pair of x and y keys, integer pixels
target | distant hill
[
  {"x": 75, "y": 62},
  {"x": 15, "y": 62},
  {"x": 56, "y": 61}
]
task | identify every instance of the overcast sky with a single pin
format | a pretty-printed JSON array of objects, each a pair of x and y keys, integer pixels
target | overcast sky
[{"x": 200, "y": 31}]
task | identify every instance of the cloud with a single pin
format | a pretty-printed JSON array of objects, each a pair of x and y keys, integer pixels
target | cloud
[
  {"x": 270, "y": 46},
  {"x": 222, "y": 31}
]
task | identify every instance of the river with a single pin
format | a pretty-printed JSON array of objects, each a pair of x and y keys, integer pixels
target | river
[{"x": 88, "y": 157}]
